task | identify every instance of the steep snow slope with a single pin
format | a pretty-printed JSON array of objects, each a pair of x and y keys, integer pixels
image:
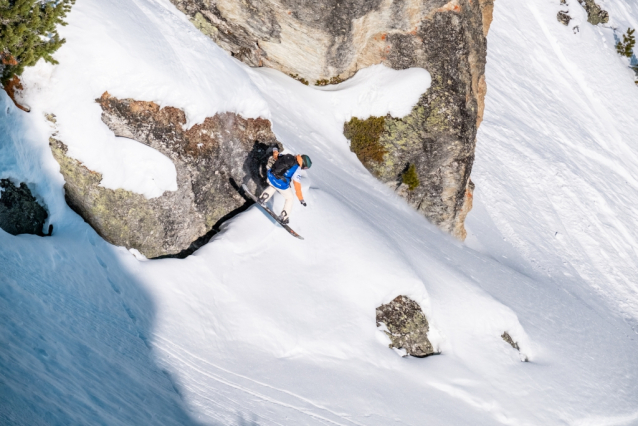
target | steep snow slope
[
  {"x": 557, "y": 153},
  {"x": 259, "y": 328}
]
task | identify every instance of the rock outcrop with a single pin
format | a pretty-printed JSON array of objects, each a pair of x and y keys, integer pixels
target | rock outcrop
[
  {"x": 329, "y": 41},
  {"x": 212, "y": 159},
  {"x": 407, "y": 326},
  {"x": 505, "y": 336},
  {"x": 14, "y": 89},
  {"x": 595, "y": 14},
  {"x": 20, "y": 213},
  {"x": 563, "y": 17}
]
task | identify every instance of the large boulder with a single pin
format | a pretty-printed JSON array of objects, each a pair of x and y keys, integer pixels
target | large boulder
[
  {"x": 407, "y": 327},
  {"x": 212, "y": 160},
  {"x": 329, "y": 41},
  {"x": 20, "y": 213},
  {"x": 595, "y": 14}
]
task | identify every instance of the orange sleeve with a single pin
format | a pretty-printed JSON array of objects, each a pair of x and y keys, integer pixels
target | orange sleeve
[{"x": 298, "y": 189}]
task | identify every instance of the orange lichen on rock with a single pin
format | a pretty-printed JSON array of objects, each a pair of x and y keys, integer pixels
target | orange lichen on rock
[
  {"x": 198, "y": 140},
  {"x": 459, "y": 230},
  {"x": 452, "y": 6},
  {"x": 8, "y": 59},
  {"x": 12, "y": 87}
]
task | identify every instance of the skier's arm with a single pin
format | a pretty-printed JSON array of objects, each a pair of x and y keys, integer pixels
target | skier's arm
[
  {"x": 298, "y": 190},
  {"x": 296, "y": 180}
]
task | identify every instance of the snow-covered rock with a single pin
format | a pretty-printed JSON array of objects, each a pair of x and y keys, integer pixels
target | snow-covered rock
[{"x": 211, "y": 161}]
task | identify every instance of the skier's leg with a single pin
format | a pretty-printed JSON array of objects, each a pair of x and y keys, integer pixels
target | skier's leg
[
  {"x": 268, "y": 192},
  {"x": 289, "y": 195}
]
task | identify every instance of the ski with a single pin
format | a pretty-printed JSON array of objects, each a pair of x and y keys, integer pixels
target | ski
[{"x": 271, "y": 213}]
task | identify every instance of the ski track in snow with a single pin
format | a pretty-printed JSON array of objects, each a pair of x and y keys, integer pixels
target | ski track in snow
[
  {"x": 259, "y": 328},
  {"x": 191, "y": 361}
]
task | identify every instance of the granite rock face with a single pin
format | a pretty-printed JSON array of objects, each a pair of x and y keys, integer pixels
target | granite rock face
[
  {"x": 212, "y": 159},
  {"x": 407, "y": 326},
  {"x": 332, "y": 39},
  {"x": 20, "y": 213}
]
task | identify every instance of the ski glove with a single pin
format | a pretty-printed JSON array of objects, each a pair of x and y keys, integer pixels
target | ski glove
[{"x": 303, "y": 203}]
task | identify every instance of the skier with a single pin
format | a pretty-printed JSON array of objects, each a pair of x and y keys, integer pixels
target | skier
[{"x": 286, "y": 169}]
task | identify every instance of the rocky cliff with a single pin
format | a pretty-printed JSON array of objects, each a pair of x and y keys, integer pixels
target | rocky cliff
[
  {"x": 212, "y": 159},
  {"x": 329, "y": 41}
]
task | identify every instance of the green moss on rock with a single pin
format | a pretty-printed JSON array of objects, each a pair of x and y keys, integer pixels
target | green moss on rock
[
  {"x": 118, "y": 216},
  {"x": 439, "y": 119},
  {"x": 327, "y": 82},
  {"x": 299, "y": 78},
  {"x": 364, "y": 139},
  {"x": 411, "y": 178},
  {"x": 203, "y": 25}
]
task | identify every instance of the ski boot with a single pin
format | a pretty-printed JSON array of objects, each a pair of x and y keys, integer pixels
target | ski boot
[
  {"x": 263, "y": 198},
  {"x": 284, "y": 218}
]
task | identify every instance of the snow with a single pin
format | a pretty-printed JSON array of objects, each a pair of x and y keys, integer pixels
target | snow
[
  {"x": 573, "y": 163},
  {"x": 260, "y": 328}
]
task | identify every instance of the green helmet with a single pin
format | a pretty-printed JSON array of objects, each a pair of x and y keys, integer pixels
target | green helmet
[{"x": 306, "y": 162}]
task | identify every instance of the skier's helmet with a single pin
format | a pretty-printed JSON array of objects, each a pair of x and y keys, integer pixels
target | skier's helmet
[{"x": 306, "y": 162}]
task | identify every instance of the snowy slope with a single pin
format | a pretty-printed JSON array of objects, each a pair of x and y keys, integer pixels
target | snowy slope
[
  {"x": 562, "y": 128},
  {"x": 235, "y": 335}
]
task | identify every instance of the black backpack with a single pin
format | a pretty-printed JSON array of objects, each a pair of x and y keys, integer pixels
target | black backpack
[{"x": 282, "y": 165}]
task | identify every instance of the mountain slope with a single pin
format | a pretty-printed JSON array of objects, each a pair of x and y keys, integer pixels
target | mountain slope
[{"x": 260, "y": 328}]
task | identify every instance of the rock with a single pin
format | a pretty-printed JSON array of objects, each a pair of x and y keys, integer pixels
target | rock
[
  {"x": 20, "y": 213},
  {"x": 329, "y": 41},
  {"x": 563, "y": 17},
  {"x": 505, "y": 336},
  {"x": 407, "y": 326},
  {"x": 212, "y": 159},
  {"x": 14, "y": 89},
  {"x": 468, "y": 201},
  {"x": 595, "y": 14}
]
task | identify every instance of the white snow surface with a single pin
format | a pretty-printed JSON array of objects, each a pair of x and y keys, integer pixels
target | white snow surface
[{"x": 260, "y": 328}]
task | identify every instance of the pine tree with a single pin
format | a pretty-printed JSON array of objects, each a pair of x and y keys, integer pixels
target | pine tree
[
  {"x": 626, "y": 46},
  {"x": 28, "y": 32},
  {"x": 411, "y": 178}
]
